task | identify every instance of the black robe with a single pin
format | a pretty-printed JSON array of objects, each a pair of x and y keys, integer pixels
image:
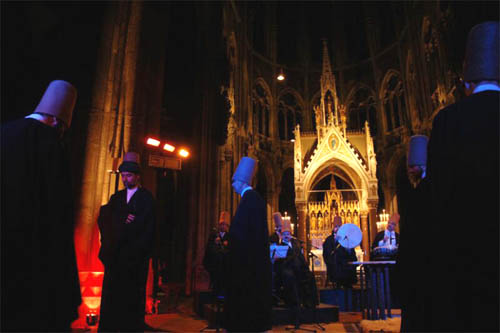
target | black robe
[
  {"x": 40, "y": 286},
  {"x": 412, "y": 262},
  {"x": 336, "y": 258},
  {"x": 215, "y": 261},
  {"x": 463, "y": 172},
  {"x": 125, "y": 253},
  {"x": 248, "y": 306}
]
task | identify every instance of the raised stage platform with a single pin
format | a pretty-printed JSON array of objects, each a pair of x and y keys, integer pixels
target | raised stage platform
[{"x": 324, "y": 313}]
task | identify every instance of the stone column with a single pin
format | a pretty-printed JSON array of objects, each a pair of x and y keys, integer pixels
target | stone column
[
  {"x": 372, "y": 213},
  {"x": 373, "y": 223},
  {"x": 302, "y": 225},
  {"x": 366, "y": 236}
]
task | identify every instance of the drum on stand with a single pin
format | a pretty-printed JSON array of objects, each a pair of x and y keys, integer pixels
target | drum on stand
[{"x": 385, "y": 252}]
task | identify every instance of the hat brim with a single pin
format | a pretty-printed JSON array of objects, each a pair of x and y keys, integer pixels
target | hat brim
[{"x": 129, "y": 167}]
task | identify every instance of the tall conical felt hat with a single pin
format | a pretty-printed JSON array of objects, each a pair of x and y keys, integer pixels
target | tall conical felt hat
[
  {"x": 59, "y": 101},
  {"x": 225, "y": 217},
  {"x": 417, "y": 151},
  {"x": 131, "y": 162},
  {"x": 337, "y": 220},
  {"x": 482, "y": 56},
  {"x": 287, "y": 226},
  {"x": 245, "y": 170},
  {"x": 394, "y": 218},
  {"x": 278, "y": 220}
]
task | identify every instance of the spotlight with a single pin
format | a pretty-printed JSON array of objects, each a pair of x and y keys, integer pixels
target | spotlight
[
  {"x": 168, "y": 147},
  {"x": 183, "y": 152},
  {"x": 153, "y": 142}
]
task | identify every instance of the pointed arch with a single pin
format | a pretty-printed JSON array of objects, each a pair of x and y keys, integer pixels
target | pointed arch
[
  {"x": 393, "y": 100},
  {"x": 269, "y": 96},
  {"x": 361, "y": 107},
  {"x": 290, "y": 112},
  {"x": 262, "y": 105}
]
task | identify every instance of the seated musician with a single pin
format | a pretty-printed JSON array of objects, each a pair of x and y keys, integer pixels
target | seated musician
[
  {"x": 337, "y": 258},
  {"x": 292, "y": 273},
  {"x": 386, "y": 242},
  {"x": 215, "y": 259}
]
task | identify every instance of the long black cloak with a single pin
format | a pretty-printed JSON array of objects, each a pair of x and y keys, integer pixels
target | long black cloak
[
  {"x": 40, "y": 287},
  {"x": 248, "y": 305},
  {"x": 463, "y": 229},
  {"x": 125, "y": 252}
]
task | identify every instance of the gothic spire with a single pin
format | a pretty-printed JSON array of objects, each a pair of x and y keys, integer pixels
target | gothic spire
[{"x": 326, "y": 58}]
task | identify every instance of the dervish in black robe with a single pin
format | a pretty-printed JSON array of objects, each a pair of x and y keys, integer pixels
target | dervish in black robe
[
  {"x": 125, "y": 253},
  {"x": 40, "y": 286},
  {"x": 411, "y": 261},
  {"x": 248, "y": 306},
  {"x": 463, "y": 227},
  {"x": 336, "y": 258}
]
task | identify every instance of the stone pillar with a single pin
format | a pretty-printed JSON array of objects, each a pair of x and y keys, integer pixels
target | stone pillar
[
  {"x": 372, "y": 217},
  {"x": 373, "y": 223},
  {"x": 302, "y": 225},
  {"x": 105, "y": 132},
  {"x": 366, "y": 236}
]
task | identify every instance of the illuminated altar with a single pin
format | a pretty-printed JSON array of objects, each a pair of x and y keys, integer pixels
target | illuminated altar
[{"x": 348, "y": 158}]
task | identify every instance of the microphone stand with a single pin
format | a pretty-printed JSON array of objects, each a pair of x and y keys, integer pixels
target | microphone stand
[{"x": 312, "y": 255}]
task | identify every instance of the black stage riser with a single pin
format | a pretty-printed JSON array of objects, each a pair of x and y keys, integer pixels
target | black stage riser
[{"x": 325, "y": 313}]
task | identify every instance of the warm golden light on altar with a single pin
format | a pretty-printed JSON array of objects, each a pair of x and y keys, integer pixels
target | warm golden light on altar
[
  {"x": 281, "y": 75},
  {"x": 168, "y": 147},
  {"x": 287, "y": 218},
  {"x": 382, "y": 222},
  {"x": 153, "y": 142},
  {"x": 183, "y": 152}
]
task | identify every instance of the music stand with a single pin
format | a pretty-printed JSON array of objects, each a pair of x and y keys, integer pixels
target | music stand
[
  {"x": 311, "y": 256},
  {"x": 297, "y": 321}
]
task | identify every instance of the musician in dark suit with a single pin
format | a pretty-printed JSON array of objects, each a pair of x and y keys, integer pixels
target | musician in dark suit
[
  {"x": 388, "y": 238},
  {"x": 127, "y": 227},
  {"x": 336, "y": 257},
  {"x": 216, "y": 251},
  {"x": 293, "y": 274}
]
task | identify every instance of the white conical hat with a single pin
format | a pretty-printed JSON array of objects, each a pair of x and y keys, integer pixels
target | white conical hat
[
  {"x": 245, "y": 170},
  {"x": 337, "y": 220},
  {"x": 59, "y": 101},
  {"x": 287, "y": 226},
  {"x": 278, "y": 220},
  {"x": 417, "y": 151},
  {"x": 482, "y": 54},
  {"x": 225, "y": 217}
]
